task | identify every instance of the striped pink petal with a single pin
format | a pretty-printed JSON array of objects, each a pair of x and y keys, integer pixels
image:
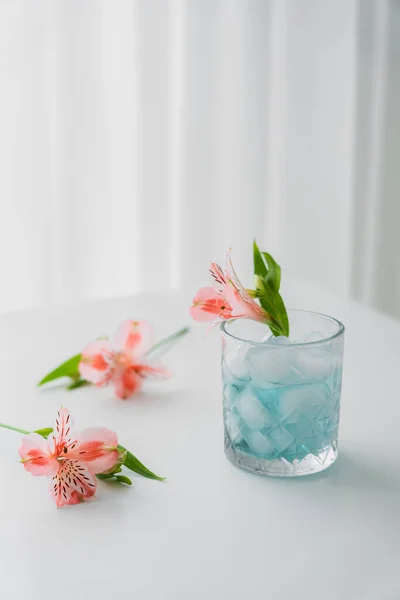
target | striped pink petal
[
  {"x": 72, "y": 483},
  {"x": 218, "y": 275}
]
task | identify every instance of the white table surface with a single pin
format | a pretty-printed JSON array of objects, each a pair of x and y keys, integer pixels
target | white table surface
[{"x": 212, "y": 530}]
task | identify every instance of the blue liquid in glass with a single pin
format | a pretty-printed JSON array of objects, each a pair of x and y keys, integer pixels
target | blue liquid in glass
[{"x": 269, "y": 421}]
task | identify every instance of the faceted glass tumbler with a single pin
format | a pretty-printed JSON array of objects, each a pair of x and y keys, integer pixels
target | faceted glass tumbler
[{"x": 281, "y": 396}]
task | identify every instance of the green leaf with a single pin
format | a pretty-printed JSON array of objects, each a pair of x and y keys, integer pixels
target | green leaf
[
  {"x": 77, "y": 384},
  {"x": 276, "y": 330},
  {"x": 281, "y": 313},
  {"x": 267, "y": 276},
  {"x": 272, "y": 302},
  {"x": 167, "y": 342},
  {"x": 266, "y": 267},
  {"x": 123, "y": 479},
  {"x": 268, "y": 305},
  {"x": 45, "y": 432},
  {"x": 105, "y": 476},
  {"x": 132, "y": 463},
  {"x": 114, "y": 477},
  {"x": 259, "y": 264},
  {"x": 274, "y": 272},
  {"x": 69, "y": 368}
]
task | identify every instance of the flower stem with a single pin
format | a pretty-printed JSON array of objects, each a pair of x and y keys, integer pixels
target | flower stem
[
  {"x": 14, "y": 428},
  {"x": 169, "y": 339}
]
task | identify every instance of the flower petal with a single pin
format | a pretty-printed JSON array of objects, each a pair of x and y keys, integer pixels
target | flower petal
[
  {"x": 205, "y": 294},
  {"x": 63, "y": 432},
  {"x": 134, "y": 336},
  {"x": 152, "y": 370},
  {"x": 36, "y": 455},
  {"x": 209, "y": 305},
  {"x": 200, "y": 315},
  {"x": 75, "y": 499},
  {"x": 72, "y": 483},
  {"x": 97, "y": 448},
  {"x": 63, "y": 424},
  {"x": 101, "y": 434},
  {"x": 96, "y": 362},
  {"x": 127, "y": 382},
  {"x": 243, "y": 305},
  {"x": 218, "y": 275}
]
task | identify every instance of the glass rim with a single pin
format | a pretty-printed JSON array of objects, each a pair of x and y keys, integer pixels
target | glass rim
[{"x": 341, "y": 329}]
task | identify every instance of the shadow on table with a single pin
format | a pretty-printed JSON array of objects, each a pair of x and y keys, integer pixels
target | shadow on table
[
  {"x": 359, "y": 472},
  {"x": 353, "y": 472}
]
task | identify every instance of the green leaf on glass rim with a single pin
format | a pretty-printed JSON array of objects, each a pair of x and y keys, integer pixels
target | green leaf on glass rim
[
  {"x": 272, "y": 302},
  {"x": 267, "y": 304},
  {"x": 281, "y": 313},
  {"x": 267, "y": 275},
  {"x": 260, "y": 268},
  {"x": 69, "y": 368},
  {"x": 132, "y": 463},
  {"x": 266, "y": 267},
  {"x": 45, "y": 432},
  {"x": 274, "y": 272}
]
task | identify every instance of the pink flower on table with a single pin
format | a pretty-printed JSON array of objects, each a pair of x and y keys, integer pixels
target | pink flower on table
[
  {"x": 228, "y": 299},
  {"x": 72, "y": 461},
  {"x": 122, "y": 360}
]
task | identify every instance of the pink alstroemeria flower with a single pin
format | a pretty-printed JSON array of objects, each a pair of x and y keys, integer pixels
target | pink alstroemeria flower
[
  {"x": 121, "y": 361},
  {"x": 72, "y": 461},
  {"x": 228, "y": 299}
]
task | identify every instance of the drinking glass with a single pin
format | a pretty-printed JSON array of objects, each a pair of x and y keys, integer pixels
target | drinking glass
[{"x": 281, "y": 396}]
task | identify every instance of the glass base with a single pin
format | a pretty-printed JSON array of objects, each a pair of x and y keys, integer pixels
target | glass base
[{"x": 280, "y": 467}]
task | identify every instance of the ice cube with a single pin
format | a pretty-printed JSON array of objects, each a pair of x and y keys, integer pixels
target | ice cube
[
  {"x": 251, "y": 410},
  {"x": 289, "y": 400},
  {"x": 305, "y": 399},
  {"x": 274, "y": 364},
  {"x": 230, "y": 393},
  {"x": 280, "y": 438},
  {"x": 259, "y": 444},
  {"x": 268, "y": 394},
  {"x": 279, "y": 340},
  {"x": 259, "y": 382},
  {"x": 315, "y": 362},
  {"x": 318, "y": 361},
  {"x": 298, "y": 425},
  {"x": 234, "y": 364},
  {"x": 233, "y": 428}
]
